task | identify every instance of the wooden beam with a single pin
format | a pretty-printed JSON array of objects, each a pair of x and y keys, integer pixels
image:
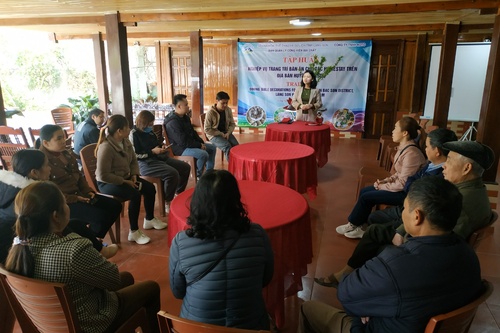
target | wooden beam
[
  {"x": 396, "y": 8},
  {"x": 100, "y": 72},
  {"x": 119, "y": 67},
  {"x": 56, "y": 20},
  {"x": 324, "y": 31},
  {"x": 489, "y": 117},
  {"x": 445, "y": 75},
  {"x": 196, "y": 43},
  {"x": 418, "y": 73},
  {"x": 234, "y": 74},
  {"x": 314, "y": 12}
]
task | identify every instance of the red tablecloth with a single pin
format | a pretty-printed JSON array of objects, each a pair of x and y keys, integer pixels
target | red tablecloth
[
  {"x": 284, "y": 214},
  {"x": 317, "y": 137},
  {"x": 286, "y": 163}
]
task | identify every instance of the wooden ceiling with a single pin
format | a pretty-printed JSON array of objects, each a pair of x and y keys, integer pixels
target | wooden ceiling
[{"x": 150, "y": 20}]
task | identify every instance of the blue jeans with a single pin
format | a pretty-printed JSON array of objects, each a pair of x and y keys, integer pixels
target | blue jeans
[
  {"x": 224, "y": 145},
  {"x": 368, "y": 198},
  {"x": 204, "y": 158}
]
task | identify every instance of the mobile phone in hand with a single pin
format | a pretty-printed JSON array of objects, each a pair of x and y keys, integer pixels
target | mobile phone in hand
[
  {"x": 93, "y": 200},
  {"x": 138, "y": 185}
]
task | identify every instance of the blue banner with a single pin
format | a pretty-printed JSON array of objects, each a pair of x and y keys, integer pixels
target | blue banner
[{"x": 269, "y": 73}]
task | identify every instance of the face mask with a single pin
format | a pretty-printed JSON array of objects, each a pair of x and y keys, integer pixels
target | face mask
[{"x": 148, "y": 129}]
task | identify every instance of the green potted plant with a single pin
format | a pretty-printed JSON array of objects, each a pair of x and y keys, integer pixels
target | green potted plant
[{"x": 81, "y": 107}]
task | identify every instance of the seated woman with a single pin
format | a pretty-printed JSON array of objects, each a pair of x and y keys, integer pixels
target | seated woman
[
  {"x": 117, "y": 174},
  {"x": 154, "y": 160},
  {"x": 99, "y": 211},
  {"x": 221, "y": 263},
  {"x": 30, "y": 165},
  {"x": 103, "y": 297},
  {"x": 436, "y": 157},
  {"x": 369, "y": 245},
  {"x": 407, "y": 161}
]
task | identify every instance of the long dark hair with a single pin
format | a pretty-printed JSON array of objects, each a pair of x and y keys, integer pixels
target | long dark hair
[
  {"x": 414, "y": 130},
  {"x": 23, "y": 161},
  {"x": 216, "y": 207},
  {"x": 46, "y": 133},
  {"x": 115, "y": 123},
  {"x": 314, "y": 83},
  {"x": 34, "y": 206}
]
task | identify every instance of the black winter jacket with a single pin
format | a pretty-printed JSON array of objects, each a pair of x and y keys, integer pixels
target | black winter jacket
[{"x": 181, "y": 133}]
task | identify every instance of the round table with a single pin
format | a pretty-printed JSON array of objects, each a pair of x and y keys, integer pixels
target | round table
[
  {"x": 286, "y": 163},
  {"x": 313, "y": 135},
  {"x": 284, "y": 214}
]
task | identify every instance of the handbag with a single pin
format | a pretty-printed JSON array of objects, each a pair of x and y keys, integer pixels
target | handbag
[{"x": 215, "y": 263}]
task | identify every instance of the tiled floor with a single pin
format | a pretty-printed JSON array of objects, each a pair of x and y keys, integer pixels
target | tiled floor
[{"x": 336, "y": 196}]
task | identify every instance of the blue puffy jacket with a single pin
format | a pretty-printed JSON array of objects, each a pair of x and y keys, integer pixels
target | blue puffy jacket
[{"x": 231, "y": 294}]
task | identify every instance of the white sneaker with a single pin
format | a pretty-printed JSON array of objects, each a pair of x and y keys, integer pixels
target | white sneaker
[
  {"x": 138, "y": 237},
  {"x": 342, "y": 229},
  {"x": 154, "y": 223},
  {"x": 356, "y": 233}
]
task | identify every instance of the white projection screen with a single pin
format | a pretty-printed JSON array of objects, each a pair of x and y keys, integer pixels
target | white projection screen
[{"x": 471, "y": 62}]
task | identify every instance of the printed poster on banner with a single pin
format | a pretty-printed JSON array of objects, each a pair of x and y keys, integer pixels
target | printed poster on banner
[{"x": 269, "y": 73}]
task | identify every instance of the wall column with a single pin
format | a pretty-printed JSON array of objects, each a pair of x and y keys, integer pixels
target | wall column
[
  {"x": 489, "y": 117},
  {"x": 3, "y": 116},
  {"x": 445, "y": 75},
  {"x": 196, "y": 43},
  {"x": 116, "y": 37},
  {"x": 100, "y": 72}
]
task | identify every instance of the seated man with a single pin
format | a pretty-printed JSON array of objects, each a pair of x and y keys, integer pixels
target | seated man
[
  {"x": 87, "y": 132},
  {"x": 436, "y": 156},
  {"x": 219, "y": 124},
  {"x": 404, "y": 286},
  {"x": 184, "y": 139},
  {"x": 464, "y": 167}
]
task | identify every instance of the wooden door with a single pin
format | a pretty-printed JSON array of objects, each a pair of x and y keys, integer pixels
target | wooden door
[
  {"x": 383, "y": 88},
  {"x": 181, "y": 73}
]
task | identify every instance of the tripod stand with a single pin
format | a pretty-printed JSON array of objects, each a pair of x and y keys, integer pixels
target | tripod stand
[{"x": 467, "y": 136}]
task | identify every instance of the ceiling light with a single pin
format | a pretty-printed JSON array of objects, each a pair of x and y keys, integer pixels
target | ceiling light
[
  {"x": 300, "y": 22},
  {"x": 316, "y": 34}
]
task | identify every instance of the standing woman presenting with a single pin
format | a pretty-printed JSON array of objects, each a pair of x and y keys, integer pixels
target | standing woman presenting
[{"x": 307, "y": 99}]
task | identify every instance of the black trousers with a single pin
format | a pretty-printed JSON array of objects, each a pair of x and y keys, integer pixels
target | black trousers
[
  {"x": 127, "y": 192},
  {"x": 374, "y": 240},
  {"x": 100, "y": 216}
]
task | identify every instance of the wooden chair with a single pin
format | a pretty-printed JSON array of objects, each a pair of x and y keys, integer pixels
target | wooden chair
[
  {"x": 63, "y": 116},
  {"x": 202, "y": 123},
  {"x": 7, "y": 316},
  {"x": 478, "y": 235},
  {"x": 48, "y": 306},
  {"x": 34, "y": 134},
  {"x": 11, "y": 141},
  {"x": 89, "y": 166},
  {"x": 188, "y": 159},
  {"x": 160, "y": 195},
  {"x": 368, "y": 175},
  {"x": 173, "y": 324},
  {"x": 389, "y": 155},
  {"x": 382, "y": 146},
  {"x": 459, "y": 320}
]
